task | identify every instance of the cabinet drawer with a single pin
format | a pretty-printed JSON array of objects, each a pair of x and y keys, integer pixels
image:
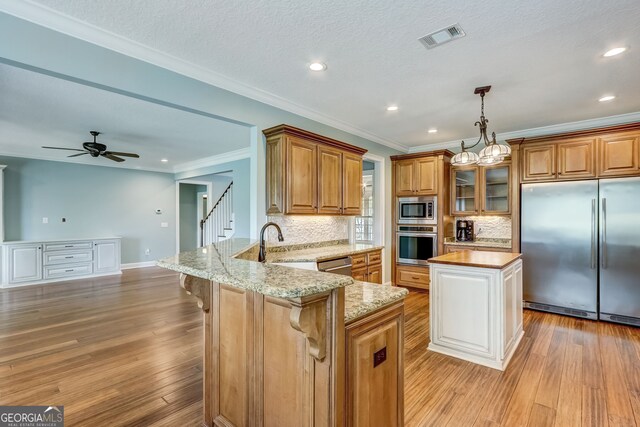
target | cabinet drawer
[
  {"x": 417, "y": 277},
  {"x": 374, "y": 258},
  {"x": 358, "y": 261},
  {"x": 67, "y": 257},
  {"x": 56, "y": 272},
  {"x": 59, "y": 246}
]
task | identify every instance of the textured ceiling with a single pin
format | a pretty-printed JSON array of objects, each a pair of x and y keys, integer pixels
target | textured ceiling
[
  {"x": 543, "y": 57},
  {"x": 37, "y": 110}
]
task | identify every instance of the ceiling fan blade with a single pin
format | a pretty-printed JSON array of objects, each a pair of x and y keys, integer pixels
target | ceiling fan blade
[
  {"x": 61, "y": 148},
  {"x": 79, "y": 154},
  {"x": 112, "y": 157},
  {"x": 118, "y": 153}
]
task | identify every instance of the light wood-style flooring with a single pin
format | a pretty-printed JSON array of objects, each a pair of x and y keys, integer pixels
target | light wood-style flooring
[{"x": 126, "y": 351}]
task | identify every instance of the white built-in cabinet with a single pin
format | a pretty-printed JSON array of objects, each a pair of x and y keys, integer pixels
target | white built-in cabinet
[
  {"x": 41, "y": 262},
  {"x": 476, "y": 313}
]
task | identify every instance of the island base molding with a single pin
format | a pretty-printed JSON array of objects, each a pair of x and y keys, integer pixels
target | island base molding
[{"x": 270, "y": 361}]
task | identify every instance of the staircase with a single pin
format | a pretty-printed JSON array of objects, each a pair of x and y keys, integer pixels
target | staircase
[{"x": 218, "y": 224}]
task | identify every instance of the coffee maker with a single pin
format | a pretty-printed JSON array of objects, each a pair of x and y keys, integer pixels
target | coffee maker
[{"x": 464, "y": 230}]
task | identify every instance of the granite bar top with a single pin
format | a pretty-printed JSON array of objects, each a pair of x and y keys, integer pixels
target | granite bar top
[
  {"x": 217, "y": 262},
  {"x": 363, "y": 298},
  {"x": 481, "y": 242},
  {"x": 484, "y": 259}
]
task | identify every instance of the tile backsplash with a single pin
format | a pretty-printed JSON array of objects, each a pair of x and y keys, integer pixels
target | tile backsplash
[
  {"x": 490, "y": 227},
  {"x": 298, "y": 229}
]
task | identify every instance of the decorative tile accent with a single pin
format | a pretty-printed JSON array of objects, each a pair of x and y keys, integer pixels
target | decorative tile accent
[
  {"x": 490, "y": 227},
  {"x": 298, "y": 229}
]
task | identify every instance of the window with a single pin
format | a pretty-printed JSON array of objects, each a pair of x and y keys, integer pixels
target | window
[{"x": 364, "y": 223}]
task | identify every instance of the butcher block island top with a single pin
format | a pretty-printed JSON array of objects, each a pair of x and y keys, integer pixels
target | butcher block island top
[
  {"x": 484, "y": 259},
  {"x": 292, "y": 347}
]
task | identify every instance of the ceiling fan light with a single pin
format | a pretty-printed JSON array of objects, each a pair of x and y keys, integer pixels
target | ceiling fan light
[{"x": 464, "y": 158}]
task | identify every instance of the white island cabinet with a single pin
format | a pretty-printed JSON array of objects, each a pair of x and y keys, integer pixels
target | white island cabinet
[
  {"x": 476, "y": 306},
  {"x": 36, "y": 262}
]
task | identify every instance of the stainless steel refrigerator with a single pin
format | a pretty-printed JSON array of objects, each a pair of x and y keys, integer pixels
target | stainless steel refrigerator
[{"x": 580, "y": 244}]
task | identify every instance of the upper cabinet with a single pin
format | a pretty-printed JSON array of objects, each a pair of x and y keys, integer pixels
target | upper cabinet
[
  {"x": 481, "y": 190},
  {"x": 618, "y": 155},
  {"x": 417, "y": 177},
  {"x": 311, "y": 174},
  {"x": 585, "y": 154}
]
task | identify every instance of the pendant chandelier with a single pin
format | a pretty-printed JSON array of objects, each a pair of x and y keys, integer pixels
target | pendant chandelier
[{"x": 493, "y": 153}]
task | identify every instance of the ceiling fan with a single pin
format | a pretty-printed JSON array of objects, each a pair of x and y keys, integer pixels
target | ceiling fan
[{"x": 96, "y": 149}]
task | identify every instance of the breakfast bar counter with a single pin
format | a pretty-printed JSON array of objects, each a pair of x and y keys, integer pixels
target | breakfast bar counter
[
  {"x": 476, "y": 306},
  {"x": 292, "y": 347}
]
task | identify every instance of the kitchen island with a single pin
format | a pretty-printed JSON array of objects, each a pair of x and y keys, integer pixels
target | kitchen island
[
  {"x": 475, "y": 305},
  {"x": 291, "y": 347}
]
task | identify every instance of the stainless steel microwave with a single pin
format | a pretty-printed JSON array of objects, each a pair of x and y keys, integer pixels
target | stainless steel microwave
[{"x": 418, "y": 210}]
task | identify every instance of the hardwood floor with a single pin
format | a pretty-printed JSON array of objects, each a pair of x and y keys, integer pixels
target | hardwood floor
[{"x": 126, "y": 351}]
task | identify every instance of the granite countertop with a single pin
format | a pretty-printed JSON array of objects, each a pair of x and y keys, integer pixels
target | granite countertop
[
  {"x": 481, "y": 259},
  {"x": 363, "y": 298},
  {"x": 318, "y": 253},
  {"x": 217, "y": 262},
  {"x": 481, "y": 242}
]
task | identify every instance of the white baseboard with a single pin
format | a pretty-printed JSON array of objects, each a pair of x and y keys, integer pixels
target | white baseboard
[{"x": 138, "y": 265}]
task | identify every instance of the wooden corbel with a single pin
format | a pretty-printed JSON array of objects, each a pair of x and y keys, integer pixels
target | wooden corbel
[
  {"x": 199, "y": 288},
  {"x": 309, "y": 316}
]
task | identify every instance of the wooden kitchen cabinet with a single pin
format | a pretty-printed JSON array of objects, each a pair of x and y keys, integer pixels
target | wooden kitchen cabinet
[
  {"x": 311, "y": 174},
  {"x": 329, "y": 181},
  {"x": 618, "y": 155},
  {"x": 465, "y": 193},
  {"x": 481, "y": 190},
  {"x": 367, "y": 267},
  {"x": 351, "y": 184},
  {"x": 375, "y": 369},
  {"x": 577, "y": 159},
  {"x": 538, "y": 162},
  {"x": 412, "y": 276},
  {"x": 302, "y": 184},
  {"x": 417, "y": 177}
]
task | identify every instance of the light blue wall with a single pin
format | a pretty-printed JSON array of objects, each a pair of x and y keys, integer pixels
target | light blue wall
[
  {"x": 188, "y": 205},
  {"x": 96, "y": 202}
]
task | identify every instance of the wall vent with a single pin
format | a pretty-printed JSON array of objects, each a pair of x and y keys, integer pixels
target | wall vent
[{"x": 444, "y": 35}]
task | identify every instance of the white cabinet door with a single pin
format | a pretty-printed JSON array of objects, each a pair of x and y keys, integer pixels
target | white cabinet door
[
  {"x": 107, "y": 256},
  {"x": 25, "y": 263}
]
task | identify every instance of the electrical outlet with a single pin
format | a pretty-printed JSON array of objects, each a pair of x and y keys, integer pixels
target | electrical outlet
[
  {"x": 45, "y": 220},
  {"x": 164, "y": 224},
  {"x": 147, "y": 251}
]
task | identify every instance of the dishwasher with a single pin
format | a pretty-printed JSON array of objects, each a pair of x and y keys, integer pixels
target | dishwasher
[{"x": 336, "y": 266}]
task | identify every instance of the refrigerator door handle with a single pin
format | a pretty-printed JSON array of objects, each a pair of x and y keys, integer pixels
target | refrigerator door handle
[
  {"x": 594, "y": 263},
  {"x": 604, "y": 232}
]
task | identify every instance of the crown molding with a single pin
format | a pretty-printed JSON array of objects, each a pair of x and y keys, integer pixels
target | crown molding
[
  {"x": 541, "y": 131},
  {"x": 230, "y": 156},
  {"x": 65, "y": 24}
]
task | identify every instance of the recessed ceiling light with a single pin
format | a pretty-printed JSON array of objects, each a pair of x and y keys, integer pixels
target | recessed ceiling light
[
  {"x": 614, "y": 51},
  {"x": 433, "y": 130},
  {"x": 607, "y": 98},
  {"x": 317, "y": 66},
  {"x": 392, "y": 108},
  {"x": 164, "y": 160}
]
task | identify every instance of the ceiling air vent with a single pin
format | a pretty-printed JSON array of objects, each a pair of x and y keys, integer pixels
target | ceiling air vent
[{"x": 444, "y": 35}]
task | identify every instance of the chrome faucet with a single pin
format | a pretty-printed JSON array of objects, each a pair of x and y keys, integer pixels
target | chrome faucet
[{"x": 262, "y": 256}]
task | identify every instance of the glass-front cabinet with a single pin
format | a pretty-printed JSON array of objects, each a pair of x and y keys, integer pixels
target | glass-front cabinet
[
  {"x": 481, "y": 190},
  {"x": 465, "y": 191},
  {"x": 495, "y": 185}
]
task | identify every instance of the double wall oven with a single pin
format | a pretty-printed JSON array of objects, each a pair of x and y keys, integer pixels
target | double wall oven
[{"x": 416, "y": 232}]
